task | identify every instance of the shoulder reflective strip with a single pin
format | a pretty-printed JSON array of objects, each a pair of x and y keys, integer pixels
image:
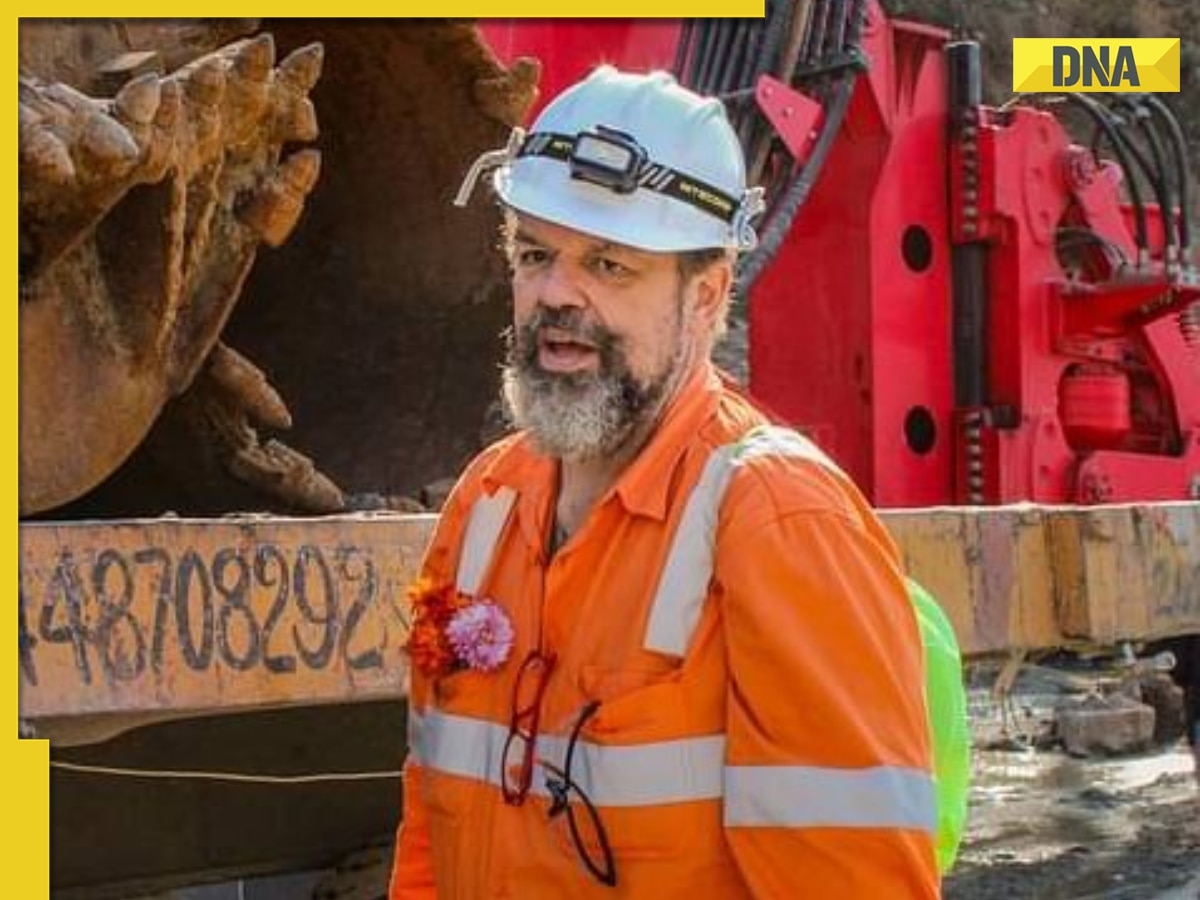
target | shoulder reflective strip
[
  {"x": 679, "y": 771},
  {"x": 683, "y": 582},
  {"x": 486, "y": 521},
  {"x": 773, "y": 440},
  {"x": 809, "y": 797}
]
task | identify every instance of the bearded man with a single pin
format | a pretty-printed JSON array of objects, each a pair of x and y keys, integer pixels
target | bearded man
[{"x": 661, "y": 648}]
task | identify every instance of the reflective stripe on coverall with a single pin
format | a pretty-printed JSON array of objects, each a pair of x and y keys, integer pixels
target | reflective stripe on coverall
[{"x": 761, "y": 732}]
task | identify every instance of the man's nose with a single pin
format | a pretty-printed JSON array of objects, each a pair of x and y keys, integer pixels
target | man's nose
[{"x": 560, "y": 288}]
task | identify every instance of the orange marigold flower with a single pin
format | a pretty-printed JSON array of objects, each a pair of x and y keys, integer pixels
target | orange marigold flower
[
  {"x": 430, "y": 649},
  {"x": 432, "y": 606}
]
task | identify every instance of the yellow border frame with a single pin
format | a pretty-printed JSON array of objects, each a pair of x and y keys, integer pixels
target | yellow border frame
[{"x": 25, "y": 764}]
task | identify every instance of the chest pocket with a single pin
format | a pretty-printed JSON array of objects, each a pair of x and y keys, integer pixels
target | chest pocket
[{"x": 635, "y": 705}]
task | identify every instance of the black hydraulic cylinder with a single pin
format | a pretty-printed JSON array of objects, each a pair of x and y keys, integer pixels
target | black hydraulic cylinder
[{"x": 968, "y": 260}]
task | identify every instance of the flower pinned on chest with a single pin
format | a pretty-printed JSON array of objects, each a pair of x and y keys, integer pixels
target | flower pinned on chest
[{"x": 452, "y": 631}]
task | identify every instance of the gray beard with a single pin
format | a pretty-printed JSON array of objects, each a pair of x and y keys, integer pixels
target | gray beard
[{"x": 581, "y": 415}]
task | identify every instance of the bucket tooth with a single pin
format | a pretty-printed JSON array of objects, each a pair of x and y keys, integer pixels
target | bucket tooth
[
  {"x": 301, "y": 68},
  {"x": 47, "y": 156},
  {"x": 276, "y": 468},
  {"x": 248, "y": 91},
  {"x": 303, "y": 124},
  {"x": 247, "y": 383},
  {"x": 169, "y": 103},
  {"x": 255, "y": 58},
  {"x": 137, "y": 102},
  {"x": 276, "y": 206},
  {"x": 107, "y": 146},
  {"x": 159, "y": 139},
  {"x": 204, "y": 83}
]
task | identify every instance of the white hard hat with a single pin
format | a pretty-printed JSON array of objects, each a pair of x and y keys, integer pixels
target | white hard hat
[{"x": 635, "y": 159}]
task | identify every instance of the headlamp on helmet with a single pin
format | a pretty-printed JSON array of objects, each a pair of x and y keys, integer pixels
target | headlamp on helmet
[{"x": 609, "y": 158}]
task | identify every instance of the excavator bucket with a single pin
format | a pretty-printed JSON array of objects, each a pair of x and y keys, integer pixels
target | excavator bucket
[{"x": 166, "y": 353}]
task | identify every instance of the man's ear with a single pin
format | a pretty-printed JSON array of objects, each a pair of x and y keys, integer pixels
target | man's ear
[{"x": 711, "y": 289}]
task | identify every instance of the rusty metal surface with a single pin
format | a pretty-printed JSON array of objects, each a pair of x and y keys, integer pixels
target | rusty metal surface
[
  {"x": 175, "y": 615},
  {"x": 202, "y": 615},
  {"x": 194, "y": 170}
]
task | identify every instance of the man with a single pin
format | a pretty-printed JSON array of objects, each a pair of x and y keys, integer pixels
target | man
[{"x": 660, "y": 649}]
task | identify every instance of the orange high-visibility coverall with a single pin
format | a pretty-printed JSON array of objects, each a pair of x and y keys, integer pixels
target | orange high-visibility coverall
[{"x": 765, "y": 738}]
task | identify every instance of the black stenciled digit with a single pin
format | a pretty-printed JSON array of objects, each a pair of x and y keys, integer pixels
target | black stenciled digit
[
  {"x": 120, "y": 662},
  {"x": 364, "y": 598},
  {"x": 235, "y": 599},
  {"x": 307, "y": 559},
  {"x": 26, "y": 642},
  {"x": 163, "y": 599},
  {"x": 66, "y": 593},
  {"x": 191, "y": 569},
  {"x": 271, "y": 570}
]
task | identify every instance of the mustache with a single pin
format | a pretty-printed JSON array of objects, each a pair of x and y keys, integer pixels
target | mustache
[{"x": 523, "y": 339}]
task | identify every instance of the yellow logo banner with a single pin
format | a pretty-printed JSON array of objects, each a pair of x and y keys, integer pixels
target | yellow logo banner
[{"x": 1095, "y": 65}]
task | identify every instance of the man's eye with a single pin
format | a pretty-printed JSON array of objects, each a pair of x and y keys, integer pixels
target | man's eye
[
  {"x": 611, "y": 267},
  {"x": 531, "y": 257}
]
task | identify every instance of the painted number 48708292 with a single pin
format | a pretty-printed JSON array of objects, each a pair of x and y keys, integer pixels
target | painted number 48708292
[{"x": 119, "y": 613}]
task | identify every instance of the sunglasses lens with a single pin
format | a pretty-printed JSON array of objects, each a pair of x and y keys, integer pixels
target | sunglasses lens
[
  {"x": 516, "y": 764},
  {"x": 531, "y": 684},
  {"x": 516, "y": 768},
  {"x": 586, "y": 835},
  {"x": 573, "y": 817}
]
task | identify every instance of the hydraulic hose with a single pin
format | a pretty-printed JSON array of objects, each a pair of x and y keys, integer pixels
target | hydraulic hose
[
  {"x": 807, "y": 41},
  {"x": 730, "y": 62},
  {"x": 1102, "y": 118},
  {"x": 707, "y": 80},
  {"x": 814, "y": 44},
  {"x": 797, "y": 192},
  {"x": 836, "y": 38},
  {"x": 682, "y": 48},
  {"x": 1154, "y": 171},
  {"x": 699, "y": 58},
  {"x": 1180, "y": 144},
  {"x": 781, "y": 218}
]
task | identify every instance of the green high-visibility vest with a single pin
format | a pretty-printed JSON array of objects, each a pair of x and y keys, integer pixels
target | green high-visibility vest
[{"x": 946, "y": 699}]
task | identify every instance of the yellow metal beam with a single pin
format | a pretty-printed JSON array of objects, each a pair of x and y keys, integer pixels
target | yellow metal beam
[
  {"x": 1027, "y": 577},
  {"x": 189, "y": 616},
  {"x": 220, "y": 614}
]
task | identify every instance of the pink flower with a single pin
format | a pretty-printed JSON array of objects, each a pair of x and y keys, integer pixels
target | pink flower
[{"x": 481, "y": 635}]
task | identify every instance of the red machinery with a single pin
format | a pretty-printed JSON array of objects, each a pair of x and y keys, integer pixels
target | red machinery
[{"x": 961, "y": 308}]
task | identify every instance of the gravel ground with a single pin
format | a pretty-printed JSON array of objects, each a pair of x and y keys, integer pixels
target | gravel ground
[{"x": 1046, "y": 826}]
